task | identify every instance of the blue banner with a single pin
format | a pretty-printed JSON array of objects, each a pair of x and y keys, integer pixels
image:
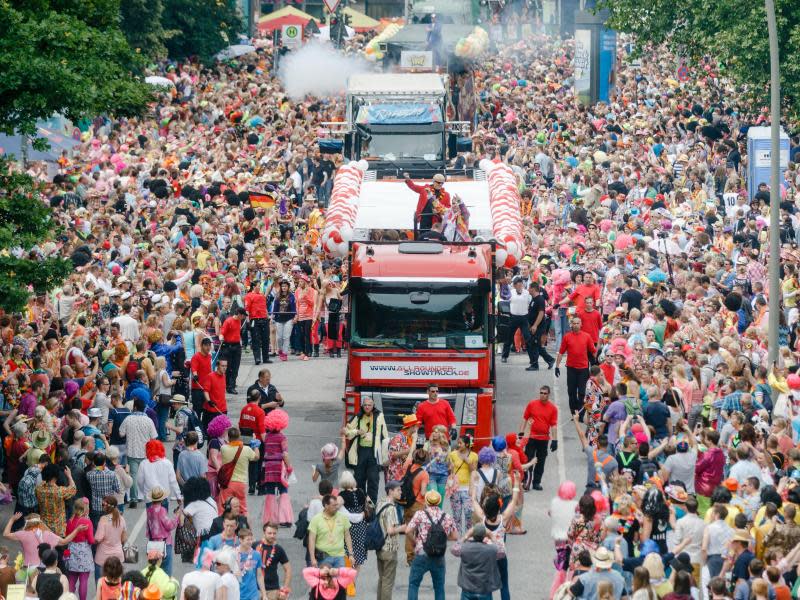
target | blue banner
[{"x": 410, "y": 113}]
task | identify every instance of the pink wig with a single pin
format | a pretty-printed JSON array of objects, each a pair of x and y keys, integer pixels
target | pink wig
[
  {"x": 218, "y": 426},
  {"x": 276, "y": 420},
  {"x": 567, "y": 490},
  {"x": 154, "y": 450}
]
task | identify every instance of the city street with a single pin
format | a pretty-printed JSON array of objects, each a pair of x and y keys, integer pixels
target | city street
[{"x": 312, "y": 392}]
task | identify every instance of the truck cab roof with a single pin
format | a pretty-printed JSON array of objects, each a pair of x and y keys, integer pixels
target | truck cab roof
[
  {"x": 454, "y": 261},
  {"x": 395, "y": 84}
]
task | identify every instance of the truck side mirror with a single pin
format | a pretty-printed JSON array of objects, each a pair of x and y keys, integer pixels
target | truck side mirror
[
  {"x": 348, "y": 146},
  {"x": 452, "y": 144}
]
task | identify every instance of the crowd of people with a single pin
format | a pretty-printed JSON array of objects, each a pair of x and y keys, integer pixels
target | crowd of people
[{"x": 644, "y": 273}]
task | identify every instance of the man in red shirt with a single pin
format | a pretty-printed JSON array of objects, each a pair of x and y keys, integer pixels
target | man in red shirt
[
  {"x": 591, "y": 321},
  {"x": 578, "y": 346},
  {"x": 543, "y": 417},
  {"x": 255, "y": 303},
  {"x": 201, "y": 369},
  {"x": 215, "y": 401},
  {"x": 588, "y": 289},
  {"x": 231, "y": 334},
  {"x": 251, "y": 423},
  {"x": 435, "y": 412}
]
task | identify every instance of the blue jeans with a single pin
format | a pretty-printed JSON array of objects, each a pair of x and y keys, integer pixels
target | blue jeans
[
  {"x": 133, "y": 465},
  {"x": 474, "y": 596},
  {"x": 502, "y": 565},
  {"x": 163, "y": 414},
  {"x": 334, "y": 562},
  {"x": 422, "y": 564}
]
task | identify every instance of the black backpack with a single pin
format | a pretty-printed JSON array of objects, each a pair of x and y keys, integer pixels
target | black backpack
[
  {"x": 647, "y": 469},
  {"x": 375, "y": 536},
  {"x": 407, "y": 495},
  {"x": 435, "y": 545},
  {"x": 193, "y": 424}
]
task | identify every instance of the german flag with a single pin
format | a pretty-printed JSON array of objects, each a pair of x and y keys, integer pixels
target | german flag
[{"x": 262, "y": 199}]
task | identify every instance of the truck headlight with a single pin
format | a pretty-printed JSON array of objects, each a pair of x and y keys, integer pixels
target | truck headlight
[{"x": 470, "y": 410}]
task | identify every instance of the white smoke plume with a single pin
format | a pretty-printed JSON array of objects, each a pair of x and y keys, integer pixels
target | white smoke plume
[{"x": 318, "y": 69}]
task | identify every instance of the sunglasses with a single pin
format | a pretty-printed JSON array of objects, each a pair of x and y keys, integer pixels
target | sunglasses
[{"x": 543, "y": 393}]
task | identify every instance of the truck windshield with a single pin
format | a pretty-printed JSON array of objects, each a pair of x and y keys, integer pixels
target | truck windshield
[
  {"x": 427, "y": 146},
  {"x": 419, "y": 319}
]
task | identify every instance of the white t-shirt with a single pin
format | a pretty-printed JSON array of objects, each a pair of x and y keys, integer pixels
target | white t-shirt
[
  {"x": 205, "y": 581},
  {"x": 229, "y": 581},
  {"x": 128, "y": 327},
  {"x": 203, "y": 512}
]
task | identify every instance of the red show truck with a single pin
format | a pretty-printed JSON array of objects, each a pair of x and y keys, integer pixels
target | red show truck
[{"x": 422, "y": 312}]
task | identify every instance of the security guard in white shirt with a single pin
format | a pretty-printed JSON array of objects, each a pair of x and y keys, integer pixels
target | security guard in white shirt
[{"x": 520, "y": 299}]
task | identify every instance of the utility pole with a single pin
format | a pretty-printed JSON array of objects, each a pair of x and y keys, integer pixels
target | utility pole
[{"x": 774, "y": 185}]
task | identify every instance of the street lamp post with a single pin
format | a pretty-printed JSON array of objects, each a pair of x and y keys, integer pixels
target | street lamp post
[{"x": 774, "y": 192}]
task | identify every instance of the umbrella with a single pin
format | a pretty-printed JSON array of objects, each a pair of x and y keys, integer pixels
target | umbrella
[
  {"x": 360, "y": 21},
  {"x": 235, "y": 51},
  {"x": 288, "y": 15},
  {"x": 665, "y": 247},
  {"x": 159, "y": 81}
]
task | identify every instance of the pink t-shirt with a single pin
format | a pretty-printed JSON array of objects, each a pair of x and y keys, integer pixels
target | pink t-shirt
[
  {"x": 87, "y": 535},
  {"x": 109, "y": 540},
  {"x": 30, "y": 540}
]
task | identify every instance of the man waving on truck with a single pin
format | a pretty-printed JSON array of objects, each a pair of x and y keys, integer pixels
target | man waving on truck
[{"x": 432, "y": 204}]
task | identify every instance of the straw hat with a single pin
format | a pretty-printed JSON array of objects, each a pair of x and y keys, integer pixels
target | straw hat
[
  {"x": 41, "y": 439},
  {"x": 433, "y": 498},
  {"x": 157, "y": 494}
]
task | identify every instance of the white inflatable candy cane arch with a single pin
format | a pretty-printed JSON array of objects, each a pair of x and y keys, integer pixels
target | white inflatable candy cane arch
[
  {"x": 341, "y": 215},
  {"x": 504, "y": 203}
]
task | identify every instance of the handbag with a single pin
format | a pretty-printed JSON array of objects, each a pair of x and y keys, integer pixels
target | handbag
[
  {"x": 130, "y": 554},
  {"x": 226, "y": 471},
  {"x": 157, "y": 546},
  {"x": 186, "y": 539}
]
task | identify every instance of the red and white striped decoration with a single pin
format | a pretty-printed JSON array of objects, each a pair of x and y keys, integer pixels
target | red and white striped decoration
[
  {"x": 343, "y": 208},
  {"x": 504, "y": 203}
]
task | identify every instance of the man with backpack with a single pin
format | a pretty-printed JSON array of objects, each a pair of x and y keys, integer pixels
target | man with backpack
[
  {"x": 412, "y": 493},
  {"x": 429, "y": 530},
  {"x": 597, "y": 459},
  {"x": 383, "y": 536},
  {"x": 186, "y": 420}
]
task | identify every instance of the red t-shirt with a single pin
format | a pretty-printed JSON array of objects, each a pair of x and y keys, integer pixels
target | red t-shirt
[
  {"x": 609, "y": 371},
  {"x": 201, "y": 366},
  {"x": 231, "y": 331},
  {"x": 432, "y": 414},
  {"x": 584, "y": 291},
  {"x": 591, "y": 323},
  {"x": 577, "y": 347},
  {"x": 216, "y": 391},
  {"x": 252, "y": 417},
  {"x": 544, "y": 415},
  {"x": 256, "y": 305}
]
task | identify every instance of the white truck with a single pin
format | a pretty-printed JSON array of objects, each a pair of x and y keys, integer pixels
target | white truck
[{"x": 397, "y": 122}]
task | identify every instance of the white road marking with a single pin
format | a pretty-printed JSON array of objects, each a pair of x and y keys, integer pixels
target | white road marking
[{"x": 138, "y": 527}]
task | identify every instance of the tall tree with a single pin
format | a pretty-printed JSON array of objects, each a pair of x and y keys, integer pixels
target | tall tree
[
  {"x": 56, "y": 56},
  {"x": 141, "y": 22},
  {"x": 202, "y": 27},
  {"x": 66, "y": 57},
  {"x": 734, "y": 32},
  {"x": 25, "y": 222}
]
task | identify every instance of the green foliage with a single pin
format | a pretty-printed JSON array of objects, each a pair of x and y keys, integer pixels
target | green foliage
[
  {"x": 202, "y": 27},
  {"x": 65, "y": 57},
  {"x": 734, "y": 32},
  {"x": 25, "y": 221},
  {"x": 142, "y": 25}
]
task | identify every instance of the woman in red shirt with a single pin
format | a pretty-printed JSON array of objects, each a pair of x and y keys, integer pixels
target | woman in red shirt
[{"x": 79, "y": 559}]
